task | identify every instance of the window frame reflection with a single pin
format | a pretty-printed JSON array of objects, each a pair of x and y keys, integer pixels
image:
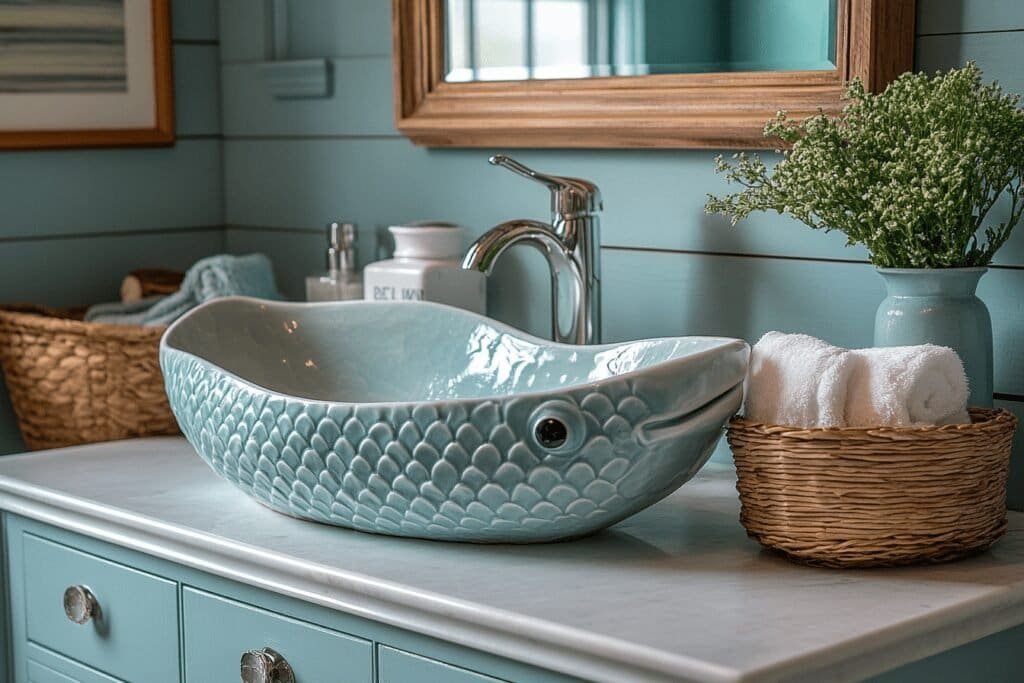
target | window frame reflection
[{"x": 613, "y": 39}]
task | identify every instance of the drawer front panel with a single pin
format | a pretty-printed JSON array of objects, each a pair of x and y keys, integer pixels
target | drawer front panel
[
  {"x": 219, "y": 630},
  {"x": 48, "y": 667},
  {"x": 396, "y": 666},
  {"x": 135, "y": 633}
]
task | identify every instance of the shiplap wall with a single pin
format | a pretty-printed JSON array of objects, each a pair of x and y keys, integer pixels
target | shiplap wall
[
  {"x": 73, "y": 222},
  {"x": 668, "y": 269}
]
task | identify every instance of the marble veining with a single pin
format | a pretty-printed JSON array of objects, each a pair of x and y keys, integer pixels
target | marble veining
[{"x": 674, "y": 593}]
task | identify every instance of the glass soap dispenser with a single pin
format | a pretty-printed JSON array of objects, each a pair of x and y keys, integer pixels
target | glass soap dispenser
[{"x": 341, "y": 282}]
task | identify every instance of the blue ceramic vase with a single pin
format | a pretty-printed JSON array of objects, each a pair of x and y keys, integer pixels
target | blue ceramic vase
[{"x": 939, "y": 306}]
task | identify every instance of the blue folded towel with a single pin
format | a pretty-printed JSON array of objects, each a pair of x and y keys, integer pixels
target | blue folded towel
[{"x": 209, "y": 278}]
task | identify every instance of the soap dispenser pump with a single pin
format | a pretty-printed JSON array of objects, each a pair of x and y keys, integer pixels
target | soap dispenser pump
[{"x": 342, "y": 281}]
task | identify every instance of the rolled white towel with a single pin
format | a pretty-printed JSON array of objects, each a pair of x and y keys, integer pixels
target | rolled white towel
[
  {"x": 797, "y": 380},
  {"x": 903, "y": 386}
]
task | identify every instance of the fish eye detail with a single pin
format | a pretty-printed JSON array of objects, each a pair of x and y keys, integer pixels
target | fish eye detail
[
  {"x": 551, "y": 432},
  {"x": 557, "y": 427}
]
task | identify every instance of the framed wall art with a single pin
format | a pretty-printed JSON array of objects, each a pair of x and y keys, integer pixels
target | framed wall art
[{"x": 85, "y": 73}]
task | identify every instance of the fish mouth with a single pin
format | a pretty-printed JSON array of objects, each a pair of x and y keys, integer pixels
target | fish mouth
[{"x": 710, "y": 415}]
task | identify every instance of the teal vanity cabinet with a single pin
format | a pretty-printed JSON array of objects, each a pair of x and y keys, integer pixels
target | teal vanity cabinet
[
  {"x": 131, "y": 635},
  {"x": 216, "y": 627},
  {"x": 132, "y": 561},
  {"x": 150, "y": 621}
]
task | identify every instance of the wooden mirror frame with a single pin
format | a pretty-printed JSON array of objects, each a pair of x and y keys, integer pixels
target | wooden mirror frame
[{"x": 874, "y": 40}]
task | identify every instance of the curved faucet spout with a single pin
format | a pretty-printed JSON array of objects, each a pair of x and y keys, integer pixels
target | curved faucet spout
[
  {"x": 568, "y": 285},
  {"x": 484, "y": 253},
  {"x": 571, "y": 243}
]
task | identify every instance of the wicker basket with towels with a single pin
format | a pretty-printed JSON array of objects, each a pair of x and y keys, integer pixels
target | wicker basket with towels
[
  {"x": 867, "y": 457},
  {"x": 73, "y": 382},
  {"x": 80, "y": 376}
]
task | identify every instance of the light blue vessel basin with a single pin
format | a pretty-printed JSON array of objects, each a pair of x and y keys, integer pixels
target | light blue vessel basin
[{"x": 419, "y": 419}]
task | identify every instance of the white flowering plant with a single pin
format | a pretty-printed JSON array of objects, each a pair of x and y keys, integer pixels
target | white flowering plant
[{"x": 910, "y": 173}]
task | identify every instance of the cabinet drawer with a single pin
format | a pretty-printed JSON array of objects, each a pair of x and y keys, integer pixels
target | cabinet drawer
[
  {"x": 396, "y": 666},
  {"x": 218, "y": 631},
  {"x": 48, "y": 667},
  {"x": 134, "y": 636}
]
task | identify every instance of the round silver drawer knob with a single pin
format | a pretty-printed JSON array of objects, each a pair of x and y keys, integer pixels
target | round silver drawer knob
[
  {"x": 265, "y": 666},
  {"x": 80, "y": 604}
]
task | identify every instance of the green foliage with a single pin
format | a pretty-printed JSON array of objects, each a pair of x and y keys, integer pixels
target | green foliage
[{"x": 910, "y": 173}]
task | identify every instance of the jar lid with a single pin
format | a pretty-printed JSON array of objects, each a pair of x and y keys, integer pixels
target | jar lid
[{"x": 428, "y": 240}]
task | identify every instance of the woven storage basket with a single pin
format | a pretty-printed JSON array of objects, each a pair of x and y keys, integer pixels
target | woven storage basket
[
  {"x": 72, "y": 382},
  {"x": 874, "y": 497}
]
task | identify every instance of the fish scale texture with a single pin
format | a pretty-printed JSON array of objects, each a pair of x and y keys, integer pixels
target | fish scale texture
[{"x": 459, "y": 470}]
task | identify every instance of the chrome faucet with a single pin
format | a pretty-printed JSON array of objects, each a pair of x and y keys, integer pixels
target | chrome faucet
[{"x": 571, "y": 243}]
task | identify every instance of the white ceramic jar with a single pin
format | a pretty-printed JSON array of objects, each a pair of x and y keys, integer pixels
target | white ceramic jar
[{"x": 427, "y": 266}]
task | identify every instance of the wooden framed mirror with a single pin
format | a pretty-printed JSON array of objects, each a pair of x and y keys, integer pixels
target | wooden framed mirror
[{"x": 440, "y": 104}]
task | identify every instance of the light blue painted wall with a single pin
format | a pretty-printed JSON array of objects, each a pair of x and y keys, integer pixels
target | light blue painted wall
[
  {"x": 73, "y": 222},
  {"x": 668, "y": 269},
  {"x": 284, "y": 167},
  {"x": 739, "y": 35},
  {"x": 694, "y": 33},
  {"x": 782, "y": 34}
]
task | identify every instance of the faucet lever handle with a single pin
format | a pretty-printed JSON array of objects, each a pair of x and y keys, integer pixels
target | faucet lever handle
[
  {"x": 511, "y": 164},
  {"x": 568, "y": 195}
]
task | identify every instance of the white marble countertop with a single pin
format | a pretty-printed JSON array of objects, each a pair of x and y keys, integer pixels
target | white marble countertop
[{"x": 677, "y": 592}]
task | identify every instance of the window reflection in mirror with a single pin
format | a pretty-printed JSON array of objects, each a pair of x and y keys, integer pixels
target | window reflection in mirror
[{"x": 512, "y": 40}]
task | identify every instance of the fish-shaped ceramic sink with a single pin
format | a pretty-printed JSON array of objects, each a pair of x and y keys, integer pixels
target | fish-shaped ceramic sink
[{"x": 419, "y": 419}]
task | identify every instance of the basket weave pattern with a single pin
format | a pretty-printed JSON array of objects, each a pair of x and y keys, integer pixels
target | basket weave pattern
[
  {"x": 72, "y": 382},
  {"x": 874, "y": 497}
]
